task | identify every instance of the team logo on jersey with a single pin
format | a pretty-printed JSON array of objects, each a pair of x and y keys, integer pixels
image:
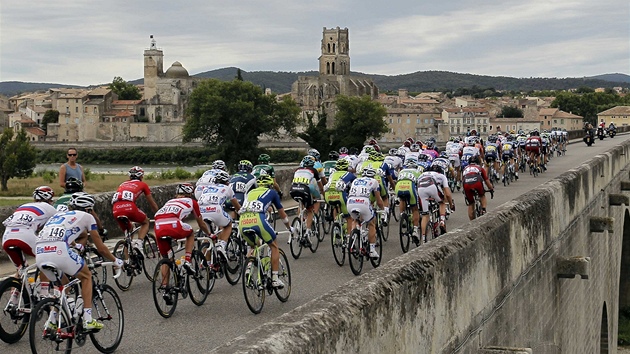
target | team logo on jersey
[{"x": 46, "y": 249}]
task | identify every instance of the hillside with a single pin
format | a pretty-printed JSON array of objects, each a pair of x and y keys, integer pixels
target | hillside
[{"x": 280, "y": 82}]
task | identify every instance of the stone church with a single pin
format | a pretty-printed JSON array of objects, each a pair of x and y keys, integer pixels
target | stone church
[{"x": 314, "y": 93}]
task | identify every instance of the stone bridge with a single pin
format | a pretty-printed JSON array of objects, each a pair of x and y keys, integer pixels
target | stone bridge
[{"x": 541, "y": 274}]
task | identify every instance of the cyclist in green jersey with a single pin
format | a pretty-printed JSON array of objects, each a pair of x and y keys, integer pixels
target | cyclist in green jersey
[
  {"x": 73, "y": 185},
  {"x": 264, "y": 168},
  {"x": 406, "y": 190}
]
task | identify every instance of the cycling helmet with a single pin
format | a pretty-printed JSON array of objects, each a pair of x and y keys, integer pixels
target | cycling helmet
[
  {"x": 222, "y": 177},
  {"x": 185, "y": 189},
  {"x": 264, "y": 181},
  {"x": 374, "y": 155},
  {"x": 219, "y": 165},
  {"x": 368, "y": 172},
  {"x": 512, "y": 131},
  {"x": 407, "y": 143},
  {"x": 136, "y": 172},
  {"x": 377, "y": 148},
  {"x": 373, "y": 142},
  {"x": 369, "y": 149},
  {"x": 264, "y": 158},
  {"x": 308, "y": 161},
  {"x": 343, "y": 150},
  {"x": 342, "y": 165},
  {"x": 411, "y": 164},
  {"x": 401, "y": 152},
  {"x": 245, "y": 166},
  {"x": 393, "y": 152},
  {"x": 534, "y": 133},
  {"x": 423, "y": 157},
  {"x": 314, "y": 153},
  {"x": 410, "y": 140},
  {"x": 456, "y": 140},
  {"x": 430, "y": 144},
  {"x": 353, "y": 151},
  {"x": 333, "y": 155},
  {"x": 492, "y": 139},
  {"x": 73, "y": 185},
  {"x": 474, "y": 159},
  {"x": 436, "y": 168},
  {"x": 444, "y": 155},
  {"x": 415, "y": 147},
  {"x": 380, "y": 157},
  {"x": 43, "y": 194},
  {"x": 81, "y": 201}
]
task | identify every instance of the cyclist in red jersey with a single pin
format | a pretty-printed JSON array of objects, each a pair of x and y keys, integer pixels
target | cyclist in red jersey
[{"x": 124, "y": 203}]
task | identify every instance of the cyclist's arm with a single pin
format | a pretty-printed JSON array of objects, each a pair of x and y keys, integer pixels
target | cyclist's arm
[
  {"x": 99, "y": 224},
  {"x": 100, "y": 246},
  {"x": 284, "y": 218},
  {"x": 379, "y": 200},
  {"x": 152, "y": 203},
  {"x": 202, "y": 224},
  {"x": 62, "y": 176},
  {"x": 235, "y": 204}
]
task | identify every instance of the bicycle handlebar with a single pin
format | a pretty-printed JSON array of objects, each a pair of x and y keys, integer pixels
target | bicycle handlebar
[{"x": 104, "y": 264}]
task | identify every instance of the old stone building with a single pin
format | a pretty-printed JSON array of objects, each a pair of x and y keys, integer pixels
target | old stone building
[
  {"x": 165, "y": 93},
  {"x": 314, "y": 93}
]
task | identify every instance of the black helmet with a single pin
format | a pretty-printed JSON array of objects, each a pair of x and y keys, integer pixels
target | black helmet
[{"x": 73, "y": 185}]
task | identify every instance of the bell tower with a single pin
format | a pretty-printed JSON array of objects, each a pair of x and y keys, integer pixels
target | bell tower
[
  {"x": 335, "y": 58},
  {"x": 153, "y": 69}
]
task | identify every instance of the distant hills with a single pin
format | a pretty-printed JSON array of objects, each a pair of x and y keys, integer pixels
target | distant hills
[{"x": 280, "y": 82}]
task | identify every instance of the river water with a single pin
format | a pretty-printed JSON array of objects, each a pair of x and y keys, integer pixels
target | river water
[{"x": 122, "y": 169}]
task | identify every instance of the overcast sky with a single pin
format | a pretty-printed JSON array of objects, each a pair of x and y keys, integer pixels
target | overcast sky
[{"x": 89, "y": 42}]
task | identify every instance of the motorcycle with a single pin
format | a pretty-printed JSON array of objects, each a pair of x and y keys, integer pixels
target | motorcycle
[
  {"x": 612, "y": 133},
  {"x": 600, "y": 133},
  {"x": 589, "y": 139}
]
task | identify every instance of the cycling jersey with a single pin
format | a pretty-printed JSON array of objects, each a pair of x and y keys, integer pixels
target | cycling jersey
[
  {"x": 241, "y": 183},
  {"x": 264, "y": 169},
  {"x": 21, "y": 227},
  {"x": 329, "y": 167},
  {"x": 252, "y": 212},
  {"x": 474, "y": 177},
  {"x": 206, "y": 179},
  {"x": 361, "y": 197},
  {"x": 124, "y": 202},
  {"x": 168, "y": 221}
]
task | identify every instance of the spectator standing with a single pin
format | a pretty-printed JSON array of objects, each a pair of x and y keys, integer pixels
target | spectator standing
[{"x": 71, "y": 169}]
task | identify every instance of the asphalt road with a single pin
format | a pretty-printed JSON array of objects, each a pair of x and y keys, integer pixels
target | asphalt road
[{"x": 225, "y": 315}]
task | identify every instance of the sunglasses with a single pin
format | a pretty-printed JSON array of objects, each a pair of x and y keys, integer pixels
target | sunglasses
[{"x": 72, "y": 154}]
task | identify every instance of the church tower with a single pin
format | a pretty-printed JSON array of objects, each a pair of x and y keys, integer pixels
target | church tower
[
  {"x": 335, "y": 58},
  {"x": 153, "y": 69}
]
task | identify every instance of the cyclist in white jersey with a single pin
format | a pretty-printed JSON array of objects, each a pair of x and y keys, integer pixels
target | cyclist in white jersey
[
  {"x": 362, "y": 190},
  {"x": 56, "y": 245},
  {"x": 412, "y": 154},
  {"x": 208, "y": 176},
  {"x": 211, "y": 202},
  {"x": 433, "y": 184},
  {"x": 393, "y": 160}
]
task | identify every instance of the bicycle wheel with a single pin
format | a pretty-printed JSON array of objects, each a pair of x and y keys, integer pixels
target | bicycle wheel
[
  {"x": 253, "y": 288},
  {"x": 48, "y": 339},
  {"x": 212, "y": 271},
  {"x": 405, "y": 231},
  {"x": 336, "y": 240},
  {"x": 121, "y": 250},
  {"x": 198, "y": 284},
  {"x": 284, "y": 274},
  {"x": 318, "y": 220},
  {"x": 296, "y": 240},
  {"x": 151, "y": 255},
  {"x": 108, "y": 309},
  {"x": 385, "y": 227},
  {"x": 165, "y": 288},
  {"x": 316, "y": 231},
  {"x": 234, "y": 252},
  {"x": 355, "y": 255},
  {"x": 327, "y": 219},
  {"x": 13, "y": 321},
  {"x": 379, "y": 248}
]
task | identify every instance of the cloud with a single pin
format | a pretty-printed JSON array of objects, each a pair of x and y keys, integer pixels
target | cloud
[{"x": 67, "y": 41}]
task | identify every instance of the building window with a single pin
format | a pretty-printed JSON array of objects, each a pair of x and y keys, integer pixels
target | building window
[
  {"x": 68, "y": 110},
  {"x": 84, "y": 109},
  {"x": 408, "y": 120},
  {"x": 562, "y": 121},
  {"x": 391, "y": 121},
  {"x": 490, "y": 128},
  {"x": 76, "y": 100},
  {"x": 398, "y": 120},
  {"x": 94, "y": 110},
  {"x": 66, "y": 100},
  {"x": 76, "y": 109},
  {"x": 417, "y": 120}
]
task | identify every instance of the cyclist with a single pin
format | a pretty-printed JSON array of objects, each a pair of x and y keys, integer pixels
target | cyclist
[
  {"x": 336, "y": 190},
  {"x": 353, "y": 160},
  {"x": 394, "y": 159},
  {"x": 21, "y": 227},
  {"x": 253, "y": 218},
  {"x": 433, "y": 184},
  {"x": 264, "y": 167},
  {"x": 318, "y": 164},
  {"x": 208, "y": 176},
  {"x": 508, "y": 152},
  {"x": 61, "y": 235},
  {"x": 308, "y": 186},
  {"x": 454, "y": 151},
  {"x": 73, "y": 185},
  {"x": 474, "y": 178},
  {"x": 492, "y": 149},
  {"x": 363, "y": 191},
  {"x": 533, "y": 146},
  {"x": 241, "y": 183},
  {"x": 211, "y": 206},
  {"x": 168, "y": 223},
  {"x": 384, "y": 175},
  {"x": 124, "y": 204},
  {"x": 406, "y": 191},
  {"x": 329, "y": 166},
  {"x": 414, "y": 152}
]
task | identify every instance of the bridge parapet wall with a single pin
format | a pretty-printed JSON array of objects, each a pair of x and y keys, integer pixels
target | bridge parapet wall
[{"x": 499, "y": 286}]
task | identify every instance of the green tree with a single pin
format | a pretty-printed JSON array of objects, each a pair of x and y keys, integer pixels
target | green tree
[
  {"x": 230, "y": 117},
  {"x": 239, "y": 75},
  {"x": 51, "y": 116},
  {"x": 17, "y": 156},
  {"x": 511, "y": 112},
  {"x": 125, "y": 90},
  {"x": 318, "y": 136},
  {"x": 357, "y": 119}
]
